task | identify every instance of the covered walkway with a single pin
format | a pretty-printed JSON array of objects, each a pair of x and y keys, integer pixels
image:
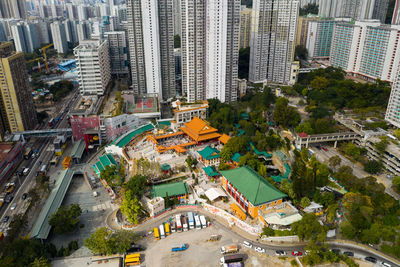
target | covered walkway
[
  {"x": 41, "y": 228},
  {"x": 77, "y": 151}
]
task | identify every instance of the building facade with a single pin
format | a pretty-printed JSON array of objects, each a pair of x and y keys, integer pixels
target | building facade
[
  {"x": 93, "y": 64},
  {"x": 245, "y": 27},
  {"x": 118, "y": 52},
  {"x": 319, "y": 38},
  {"x": 222, "y": 49},
  {"x": 16, "y": 105},
  {"x": 151, "y": 44},
  {"x": 25, "y": 36},
  {"x": 273, "y": 37},
  {"x": 393, "y": 108},
  {"x": 13, "y": 9},
  {"x": 366, "y": 49},
  {"x": 59, "y": 37}
]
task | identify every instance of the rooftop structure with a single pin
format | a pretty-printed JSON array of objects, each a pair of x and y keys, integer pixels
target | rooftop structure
[
  {"x": 105, "y": 160},
  {"x": 200, "y": 130},
  {"x": 171, "y": 189},
  {"x": 211, "y": 171},
  {"x": 210, "y": 156},
  {"x": 224, "y": 139},
  {"x": 184, "y": 112}
]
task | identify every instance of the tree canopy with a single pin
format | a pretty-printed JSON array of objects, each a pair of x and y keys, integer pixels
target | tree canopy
[
  {"x": 284, "y": 114},
  {"x": 66, "y": 219}
]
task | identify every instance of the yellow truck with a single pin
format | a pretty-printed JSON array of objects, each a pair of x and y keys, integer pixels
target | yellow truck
[
  {"x": 229, "y": 249},
  {"x": 156, "y": 233}
]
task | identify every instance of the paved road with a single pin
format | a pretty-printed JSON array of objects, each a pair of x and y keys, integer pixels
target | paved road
[{"x": 360, "y": 251}]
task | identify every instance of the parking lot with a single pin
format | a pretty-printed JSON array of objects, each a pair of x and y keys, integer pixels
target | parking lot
[{"x": 200, "y": 252}]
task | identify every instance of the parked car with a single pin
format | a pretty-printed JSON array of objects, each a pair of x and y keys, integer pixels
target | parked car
[
  {"x": 296, "y": 253},
  {"x": 386, "y": 264},
  {"x": 13, "y": 206},
  {"x": 135, "y": 248},
  {"x": 371, "y": 259},
  {"x": 259, "y": 250},
  {"x": 5, "y": 219},
  {"x": 247, "y": 244},
  {"x": 24, "y": 196},
  {"x": 349, "y": 253},
  {"x": 324, "y": 148},
  {"x": 280, "y": 253}
]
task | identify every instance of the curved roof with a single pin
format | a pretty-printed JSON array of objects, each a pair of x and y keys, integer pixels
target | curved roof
[{"x": 124, "y": 140}]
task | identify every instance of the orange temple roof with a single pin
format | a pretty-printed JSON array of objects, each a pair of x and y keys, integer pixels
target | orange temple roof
[
  {"x": 224, "y": 139},
  {"x": 200, "y": 130}
]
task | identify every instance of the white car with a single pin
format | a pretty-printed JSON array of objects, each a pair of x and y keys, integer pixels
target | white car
[
  {"x": 247, "y": 244},
  {"x": 259, "y": 250},
  {"x": 13, "y": 206}
]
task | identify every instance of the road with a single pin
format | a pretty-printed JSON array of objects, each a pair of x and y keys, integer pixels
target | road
[{"x": 359, "y": 251}]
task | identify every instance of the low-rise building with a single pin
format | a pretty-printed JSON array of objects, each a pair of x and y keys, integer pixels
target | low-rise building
[
  {"x": 177, "y": 190},
  {"x": 251, "y": 191},
  {"x": 210, "y": 156},
  {"x": 185, "y": 112},
  {"x": 154, "y": 205}
]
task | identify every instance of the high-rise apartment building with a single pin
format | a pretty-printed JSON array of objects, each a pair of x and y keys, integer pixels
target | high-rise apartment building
[
  {"x": 272, "y": 41},
  {"x": 25, "y": 36},
  {"x": 366, "y": 49},
  {"x": 245, "y": 27},
  {"x": 319, "y": 38},
  {"x": 118, "y": 52},
  {"x": 193, "y": 49},
  {"x": 59, "y": 37},
  {"x": 396, "y": 13},
  {"x": 393, "y": 108},
  {"x": 151, "y": 45},
  {"x": 17, "y": 112},
  {"x": 177, "y": 17},
  {"x": 222, "y": 49},
  {"x": 93, "y": 64},
  {"x": 13, "y": 9}
]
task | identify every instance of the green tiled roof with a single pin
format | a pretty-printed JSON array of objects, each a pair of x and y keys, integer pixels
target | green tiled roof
[
  {"x": 236, "y": 157},
  {"x": 259, "y": 153},
  {"x": 105, "y": 160},
  {"x": 244, "y": 116},
  {"x": 121, "y": 142},
  {"x": 282, "y": 156},
  {"x": 209, "y": 153},
  {"x": 211, "y": 171},
  {"x": 173, "y": 189},
  {"x": 255, "y": 188},
  {"x": 165, "y": 123},
  {"x": 165, "y": 167}
]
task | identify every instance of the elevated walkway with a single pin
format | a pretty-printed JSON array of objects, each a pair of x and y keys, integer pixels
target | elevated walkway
[
  {"x": 305, "y": 140},
  {"x": 41, "y": 228},
  {"x": 45, "y": 132},
  {"x": 77, "y": 151}
]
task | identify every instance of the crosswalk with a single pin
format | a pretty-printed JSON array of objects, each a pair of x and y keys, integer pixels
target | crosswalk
[{"x": 104, "y": 206}]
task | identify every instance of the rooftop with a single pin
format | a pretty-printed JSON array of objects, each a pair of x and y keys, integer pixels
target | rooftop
[
  {"x": 209, "y": 153},
  {"x": 172, "y": 189},
  {"x": 125, "y": 139},
  {"x": 78, "y": 148},
  {"x": 224, "y": 138},
  {"x": 236, "y": 157},
  {"x": 200, "y": 130},
  {"x": 211, "y": 171},
  {"x": 252, "y": 185}
]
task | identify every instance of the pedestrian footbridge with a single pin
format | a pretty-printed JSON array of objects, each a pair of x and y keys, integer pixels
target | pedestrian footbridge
[
  {"x": 303, "y": 139},
  {"x": 44, "y": 133}
]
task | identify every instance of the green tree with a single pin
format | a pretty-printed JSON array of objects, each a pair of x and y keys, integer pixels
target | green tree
[
  {"x": 322, "y": 126},
  {"x": 65, "y": 219},
  {"x": 396, "y": 182},
  {"x": 373, "y": 166},
  {"x": 101, "y": 242},
  {"x": 381, "y": 145},
  {"x": 352, "y": 150},
  {"x": 285, "y": 115},
  {"x": 319, "y": 83},
  {"x": 177, "y": 41},
  {"x": 131, "y": 207},
  {"x": 305, "y": 202},
  {"x": 309, "y": 9},
  {"x": 305, "y": 128},
  {"x": 136, "y": 185},
  {"x": 40, "y": 262},
  {"x": 308, "y": 228},
  {"x": 223, "y": 166},
  {"x": 397, "y": 133},
  {"x": 334, "y": 161},
  {"x": 267, "y": 231},
  {"x": 301, "y": 52}
]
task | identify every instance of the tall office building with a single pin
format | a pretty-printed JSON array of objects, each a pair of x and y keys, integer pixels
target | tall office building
[
  {"x": 245, "y": 27},
  {"x": 273, "y": 37},
  {"x": 151, "y": 45},
  {"x": 93, "y": 64},
  {"x": 17, "y": 112},
  {"x": 193, "y": 49},
  {"x": 59, "y": 37},
  {"x": 366, "y": 49},
  {"x": 118, "y": 52},
  {"x": 222, "y": 49}
]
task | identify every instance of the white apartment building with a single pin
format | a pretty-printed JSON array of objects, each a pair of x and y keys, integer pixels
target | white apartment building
[
  {"x": 222, "y": 49},
  {"x": 272, "y": 42},
  {"x": 366, "y": 49},
  {"x": 151, "y": 44},
  {"x": 118, "y": 52},
  {"x": 25, "y": 36},
  {"x": 245, "y": 27},
  {"x": 93, "y": 64},
  {"x": 59, "y": 37},
  {"x": 393, "y": 108}
]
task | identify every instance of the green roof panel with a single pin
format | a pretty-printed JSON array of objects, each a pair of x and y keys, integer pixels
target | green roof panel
[{"x": 173, "y": 189}]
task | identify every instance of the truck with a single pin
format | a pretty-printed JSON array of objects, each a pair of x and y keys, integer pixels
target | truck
[
  {"x": 229, "y": 249},
  {"x": 182, "y": 247},
  {"x": 203, "y": 221},
  {"x": 197, "y": 220},
  {"x": 28, "y": 153},
  {"x": 43, "y": 169},
  {"x": 185, "y": 223},
  {"x": 191, "y": 220},
  {"x": 231, "y": 258},
  {"x": 162, "y": 233},
  {"x": 167, "y": 230},
  {"x": 178, "y": 223},
  {"x": 156, "y": 234}
]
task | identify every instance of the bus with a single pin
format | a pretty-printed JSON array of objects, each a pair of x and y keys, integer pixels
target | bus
[
  {"x": 203, "y": 221},
  {"x": 132, "y": 259},
  {"x": 28, "y": 153},
  {"x": 162, "y": 233},
  {"x": 173, "y": 227},
  {"x": 178, "y": 223},
  {"x": 156, "y": 234},
  {"x": 191, "y": 220},
  {"x": 185, "y": 223},
  {"x": 167, "y": 231},
  {"x": 198, "y": 223}
]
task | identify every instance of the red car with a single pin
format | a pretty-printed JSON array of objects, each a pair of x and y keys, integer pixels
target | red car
[
  {"x": 296, "y": 253},
  {"x": 324, "y": 149}
]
